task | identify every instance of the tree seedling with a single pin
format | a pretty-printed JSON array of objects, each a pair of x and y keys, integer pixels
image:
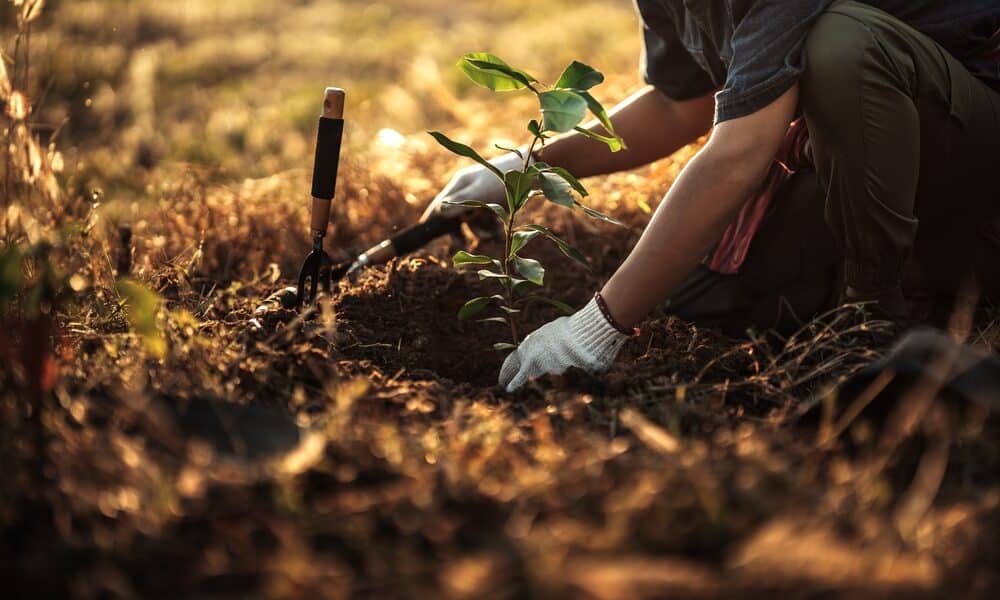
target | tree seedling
[{"x": 563, "y": 106}]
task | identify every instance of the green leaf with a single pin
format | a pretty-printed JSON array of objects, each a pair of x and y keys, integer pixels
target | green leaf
[
  {"x": 493, "y": 73},
  {"x": 493, "y": 320},
  {"x": 564, "y": 247},
  {"x": 511, "y": 284},
  {"x": 142, "y": 307},
  {"x": 473, "y": 203},
  {"x": 579, "y": 76},
  {"x": 615, "y": 144},
  {"x": 487, "y": 274},
  {"x": 503, "y": 346},
  {"x": 473, "y": 307},
  {"x": 520, "y": 240},
  {"x": 518, "y": 187},
  {"x": 567, "y": 177},
  {"x": 464, "y": 258},
  {"x": 598, "y": 111},
  {"x": 463, "y": 150},
  {"x": 535, "y": 128},
  {"x": 530, "y": 269},
  {"x": 489, "y": 70},
  {"x": 511, "y": 150},
  {"x": 499, "y": 210},
  {"x": 595, "y": 214},
  {"x": 562, "y": 110},
  {"x": 557, "y": 190}
]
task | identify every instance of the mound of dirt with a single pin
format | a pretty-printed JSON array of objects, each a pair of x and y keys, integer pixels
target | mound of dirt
[{"x": 404, "y": 317}]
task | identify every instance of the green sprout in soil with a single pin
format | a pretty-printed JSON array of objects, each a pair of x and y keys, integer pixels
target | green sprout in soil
[{"x": 563, "y": 107}]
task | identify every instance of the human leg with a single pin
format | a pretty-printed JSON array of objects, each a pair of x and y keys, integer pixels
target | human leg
[
  {"x": 900, "y": 131},
  {"x": 791, "y": 273}
]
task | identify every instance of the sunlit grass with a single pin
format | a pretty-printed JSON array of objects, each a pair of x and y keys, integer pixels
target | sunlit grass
[
  {"x": 254, "y": 73},
  {"x": 185, "y": 137}
]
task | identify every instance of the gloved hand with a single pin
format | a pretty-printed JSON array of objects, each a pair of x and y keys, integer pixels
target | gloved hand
[
  {"x": 586, "y": 340},
  {"x": 473, "y": 183}
]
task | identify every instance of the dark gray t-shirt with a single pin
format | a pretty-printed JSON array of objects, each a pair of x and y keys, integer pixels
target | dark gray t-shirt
[{"x": 750, "y": 51}]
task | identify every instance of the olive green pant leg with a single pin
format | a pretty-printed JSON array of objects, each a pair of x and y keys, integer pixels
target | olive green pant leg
[{"x": 900, "y": 131}]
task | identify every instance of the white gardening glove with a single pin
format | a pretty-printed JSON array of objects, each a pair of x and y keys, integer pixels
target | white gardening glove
[
  {"x": 473, "y": 183},
  {"x": 585, "y": 340}
]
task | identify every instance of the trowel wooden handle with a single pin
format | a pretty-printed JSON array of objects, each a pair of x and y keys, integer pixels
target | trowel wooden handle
[
  {"x": 327, "y": 160},
  {"x": 333, "y": 103}
]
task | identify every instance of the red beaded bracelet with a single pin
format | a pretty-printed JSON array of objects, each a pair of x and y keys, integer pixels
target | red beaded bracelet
[{"x": 634, "y": 332}]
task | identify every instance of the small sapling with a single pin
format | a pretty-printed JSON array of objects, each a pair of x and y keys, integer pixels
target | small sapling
[{"x": 562, "y": 106}]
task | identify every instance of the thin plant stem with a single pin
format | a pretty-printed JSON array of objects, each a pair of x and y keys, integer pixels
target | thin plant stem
[
  {"x": 527, "y": 157},
  {"x": 508, "y": 243},
  {"x": 508, "y": 288}
]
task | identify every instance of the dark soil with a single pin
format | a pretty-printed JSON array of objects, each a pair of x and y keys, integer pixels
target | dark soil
[
  {"x": 366, "y": 450},
  {"x": 361, "y": 449}
]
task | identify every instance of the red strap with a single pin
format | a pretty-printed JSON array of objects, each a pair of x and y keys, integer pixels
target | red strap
[{"x": 731, "y": 252}]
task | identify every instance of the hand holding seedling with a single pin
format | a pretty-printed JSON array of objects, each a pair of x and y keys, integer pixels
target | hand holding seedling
[
  {"x": 504, "y": 186},
  {"x": 473, "y": 183},
  {"x": 586, "y": 340}
]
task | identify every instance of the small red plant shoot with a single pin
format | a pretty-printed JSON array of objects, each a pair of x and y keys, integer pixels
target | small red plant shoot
[{"x": 563, "y": 107}]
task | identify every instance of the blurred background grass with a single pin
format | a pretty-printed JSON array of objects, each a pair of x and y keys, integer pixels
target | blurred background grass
[
  {"x": 196, "y": 120},
  {"x": 142, "y": 88}
]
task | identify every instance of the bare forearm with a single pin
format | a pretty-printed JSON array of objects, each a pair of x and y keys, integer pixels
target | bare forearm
[
  {"x": 696, "y": 211},
  {"x": 692, "y": 217},
  {"x": 652, "y": 125}
]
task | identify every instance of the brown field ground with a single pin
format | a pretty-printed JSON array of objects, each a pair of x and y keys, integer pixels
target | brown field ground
[{"x": 157, "y": 445}]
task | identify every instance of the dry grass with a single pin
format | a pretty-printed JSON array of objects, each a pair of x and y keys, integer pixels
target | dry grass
[{"x": 687, "y": 472}]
